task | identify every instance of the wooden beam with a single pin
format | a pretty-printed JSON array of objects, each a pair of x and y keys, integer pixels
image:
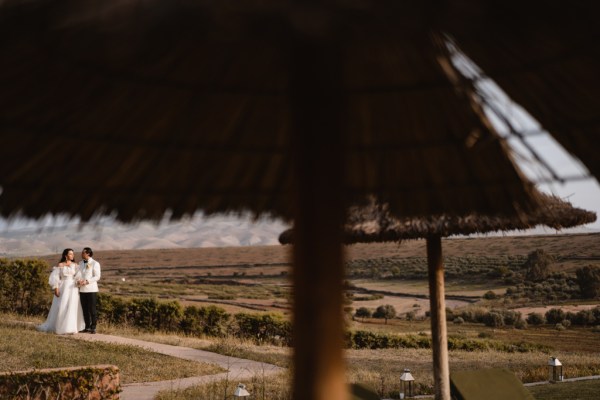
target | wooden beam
[
  {"x": 439, "y": 335},
  {"x": 318, "y": 272}
]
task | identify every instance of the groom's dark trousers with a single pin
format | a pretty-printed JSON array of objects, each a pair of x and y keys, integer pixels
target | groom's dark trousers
[{"x": 90, "y": 315}]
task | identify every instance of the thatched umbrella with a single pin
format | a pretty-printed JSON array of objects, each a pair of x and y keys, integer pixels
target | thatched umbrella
[
  {"x": 295, "y": 109},
  {"x": 375, "y": 223}
]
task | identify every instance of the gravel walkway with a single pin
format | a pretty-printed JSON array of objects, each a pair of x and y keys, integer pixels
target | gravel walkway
[{"x": 237, "y": 369}]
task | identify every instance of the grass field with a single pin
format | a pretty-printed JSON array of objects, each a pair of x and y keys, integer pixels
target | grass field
[
  {"x": 23, "y": 348},
  {"x": 582, "y": 390},
  {"x": 381, "y": 368},
  {"x": 256, "y": 279}
]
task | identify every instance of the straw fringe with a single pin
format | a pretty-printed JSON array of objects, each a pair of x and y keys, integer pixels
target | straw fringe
[{"x": 375, "y": 223}]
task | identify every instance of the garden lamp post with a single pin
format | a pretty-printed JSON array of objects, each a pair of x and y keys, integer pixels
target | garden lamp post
[
  {"x": 555, "y": 370},
  {"x": 241, "y": 392},
  {"x": 406, "y": 384}
]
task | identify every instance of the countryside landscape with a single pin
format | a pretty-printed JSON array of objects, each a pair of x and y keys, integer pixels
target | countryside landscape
[{"x": 512, "y": 302}]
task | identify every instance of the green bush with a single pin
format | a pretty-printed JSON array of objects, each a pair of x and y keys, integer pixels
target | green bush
[
  {"x": 511, "y": 317},
  {"x": 555, "y": 316},
  {"x": 112, "y": 309},
  {"x": 538, "y": 265},
  {"x": 494, "y": 319},
  {"x": 24, "y": 286},
  {"x": 170, "y": 316},
  {"x": 536, "y": 319},
  {"x": 521, "y": 324},
  {"x": 211, "y": 321},
  {"x": 588, "y": 279},
  {"x": 263, "y": 328},
  {"x": 584, "y": 318}
]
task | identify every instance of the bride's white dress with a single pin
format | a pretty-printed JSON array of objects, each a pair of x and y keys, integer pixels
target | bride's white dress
[{"x": 66, "y": 315}]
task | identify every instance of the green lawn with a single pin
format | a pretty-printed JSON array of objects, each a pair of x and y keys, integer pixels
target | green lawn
[
  {"x": 581, "y": 390},
  {"x": 23, "y": 348}
]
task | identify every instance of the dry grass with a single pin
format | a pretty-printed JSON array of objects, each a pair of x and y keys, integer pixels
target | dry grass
[
  {"x": 380, "y": 368},
  {"x": 275, "y": 387},
  {"x": 582, "y": 390},
  {"x": 23, "y": 348}
]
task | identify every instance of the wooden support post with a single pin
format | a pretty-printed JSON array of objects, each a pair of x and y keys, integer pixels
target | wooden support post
[
  {"x": 439, "y": 335},
  {"x": 318, "y": 272}
]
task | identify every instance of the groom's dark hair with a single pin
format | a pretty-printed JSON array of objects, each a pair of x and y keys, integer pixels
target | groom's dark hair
[{"x": 88, "y": 251}]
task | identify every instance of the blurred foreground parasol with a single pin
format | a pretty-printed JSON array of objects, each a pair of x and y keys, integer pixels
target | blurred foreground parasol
[{"x": 290, "y": 108}]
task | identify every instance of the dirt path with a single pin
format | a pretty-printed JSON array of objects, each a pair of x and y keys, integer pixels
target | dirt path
[{"x": 237, "y": 369}]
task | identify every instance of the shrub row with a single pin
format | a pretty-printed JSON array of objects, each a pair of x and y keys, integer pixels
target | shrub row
[
  {"x": 558, "y": 286},
  {"x": 493, "y": 318},
  {"x": 150, "y": 314},
  {"x": 398, "y": 267},
  {"x": 24, "y": 286},
  {"x": 558, "y": 316},
  {"x": 372, "y": 340}
]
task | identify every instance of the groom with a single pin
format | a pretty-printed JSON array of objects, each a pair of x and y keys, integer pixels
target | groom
[{"x": 88, "y": 288}]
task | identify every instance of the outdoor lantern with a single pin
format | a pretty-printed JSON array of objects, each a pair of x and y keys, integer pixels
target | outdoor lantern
[
  {"x": 555, "y": 370},
  {"x": 241, "y": 392},
  {"x": 406, "y": 384}
]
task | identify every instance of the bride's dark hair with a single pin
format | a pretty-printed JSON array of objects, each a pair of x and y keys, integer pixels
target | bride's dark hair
[{"x": 63, "y": 258}]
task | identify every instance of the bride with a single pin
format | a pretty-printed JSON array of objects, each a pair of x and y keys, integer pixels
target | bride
[{"x": 66, "y": 315}]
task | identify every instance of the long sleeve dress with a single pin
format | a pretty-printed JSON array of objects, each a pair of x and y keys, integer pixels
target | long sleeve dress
[{"x": 66, "y": 315}]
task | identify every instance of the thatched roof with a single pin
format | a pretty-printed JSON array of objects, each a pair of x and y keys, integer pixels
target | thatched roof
[
  {"x": 374, "y": 223},
  {"x": 546, "y": 56},
  {"x": 136, "y": 107},
  {"x": 184, "y": 106}
]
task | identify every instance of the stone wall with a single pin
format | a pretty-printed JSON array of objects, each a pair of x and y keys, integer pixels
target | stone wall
[{"x": 96, "y": 382}]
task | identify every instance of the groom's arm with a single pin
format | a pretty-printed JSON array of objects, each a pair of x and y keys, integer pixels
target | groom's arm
[{"x": 95, "y": 273}]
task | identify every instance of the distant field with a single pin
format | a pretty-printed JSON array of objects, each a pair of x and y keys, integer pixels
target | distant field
[
  {"x": 257, "y": 278},
  {"x": 228, "y": 259}
]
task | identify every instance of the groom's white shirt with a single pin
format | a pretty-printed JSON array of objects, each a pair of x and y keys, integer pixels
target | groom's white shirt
[{"x": 90, "y": 273}]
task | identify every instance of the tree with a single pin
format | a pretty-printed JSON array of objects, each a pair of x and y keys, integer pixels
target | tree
[
  {"x": 494, "y": 319},
  {"x": 387, "y": 312},
  {"x": 363, "y": 312},
  {"x": 588, "y": 279},
  {"x": 555, "y": 316},
  {"x": 535, "y": 319},
  {"x": 490, "y": 295},
  {"x": 538, "y": 265}
]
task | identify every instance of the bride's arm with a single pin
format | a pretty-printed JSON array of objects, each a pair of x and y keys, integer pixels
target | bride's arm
[{"x": 54, "y": 280}]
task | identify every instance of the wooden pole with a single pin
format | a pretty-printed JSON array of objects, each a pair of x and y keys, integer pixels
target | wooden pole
[
  {"x": 318, "y": 272},
  {"x": 439, "y": 335}
]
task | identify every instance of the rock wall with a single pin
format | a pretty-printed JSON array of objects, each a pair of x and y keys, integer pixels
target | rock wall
[{"x": 97, "y": 382}]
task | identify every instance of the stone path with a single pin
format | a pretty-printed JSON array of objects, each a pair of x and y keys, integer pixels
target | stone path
[{"x": 237, "y": 369}]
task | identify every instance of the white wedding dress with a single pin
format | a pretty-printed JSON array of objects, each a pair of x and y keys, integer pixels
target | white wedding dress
[{"x": 66, "y": 314}]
